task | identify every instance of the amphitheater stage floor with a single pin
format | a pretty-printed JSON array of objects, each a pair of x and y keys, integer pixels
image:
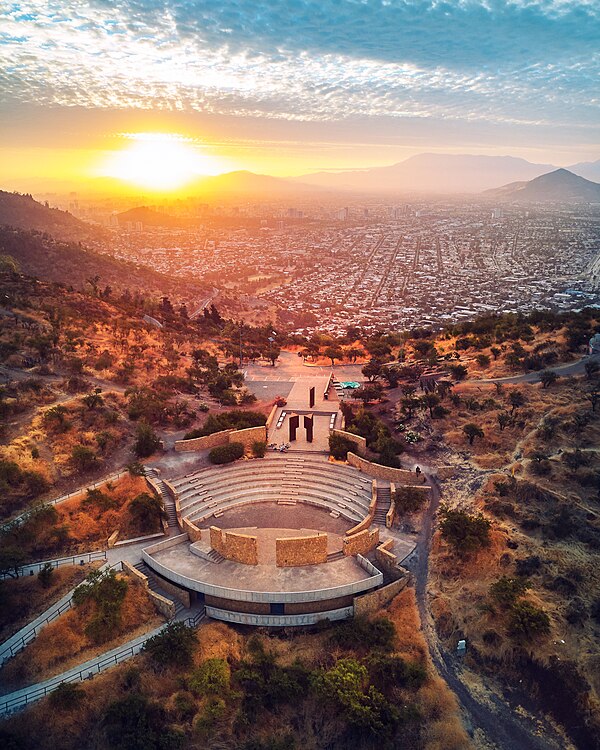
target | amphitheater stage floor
[
  {"x": 272, "y": 515},
  {"x": 263, "y": 577}
]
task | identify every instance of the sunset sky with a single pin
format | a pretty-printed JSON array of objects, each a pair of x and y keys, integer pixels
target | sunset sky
[{"x": 290, "y": 87}]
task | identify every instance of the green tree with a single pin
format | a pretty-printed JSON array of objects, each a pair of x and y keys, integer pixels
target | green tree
[
  {"x": 369, "y": 392},
  {"x": 339, "y": 446},
  {"x": 146, "y": 441},
  {"x": 507, "y": 590},
  {"x": 504, "y": 419},
  {"x": 464, "y": 532},
  {"x": 93, "y": 400},
  {"x": 372, "y": 370},
  {"x": 108, "y": 593},
  {"x": 528, "y": 621},
  {"x": 135, "y": 723},
  {"x": 516, "y": 399},
  {"x": 334, "y": 352},
  {"x": 472, "y": 431},
  {"x": 173, "y": 647},
  {"x": 212, "y": 677},
  {"x": 458, "y": 372},
  {"x": 12, "y": 557},
  {"x": 548, "y": 378},
  {"x": 83, "y": 458},
  {"x": 146, "y": 510},
  {"x": 46, "y": 576},
  {"x": 430, "y": 401}
]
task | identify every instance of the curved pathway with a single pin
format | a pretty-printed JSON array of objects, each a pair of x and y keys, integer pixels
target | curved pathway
[
  {"x": 569, "y": 368},
  {"x": 502, "y": 724}
]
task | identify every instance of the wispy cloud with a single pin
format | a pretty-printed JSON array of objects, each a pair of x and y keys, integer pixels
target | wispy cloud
[{"x": 523, "y": 62}]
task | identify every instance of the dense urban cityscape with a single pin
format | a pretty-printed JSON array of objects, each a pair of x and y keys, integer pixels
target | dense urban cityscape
[{"x": 382, "y": 267}]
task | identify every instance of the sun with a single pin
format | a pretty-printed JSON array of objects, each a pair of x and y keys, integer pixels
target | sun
[{"x": 161, "y": 162}]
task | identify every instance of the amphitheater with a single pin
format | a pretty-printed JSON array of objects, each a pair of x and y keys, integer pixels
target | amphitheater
[{"x": 289, "y": 539}]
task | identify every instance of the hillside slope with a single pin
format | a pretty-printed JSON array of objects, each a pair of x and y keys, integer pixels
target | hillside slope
[
  {"x": 23, "y": 212},
  {"x": 69, "y": 263},
  {"x": 560, "y": 186}
]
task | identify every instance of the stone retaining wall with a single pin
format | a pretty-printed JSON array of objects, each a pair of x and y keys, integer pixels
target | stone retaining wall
[
  {"x": 400, "y": 476},
  {"x": 301, "y": 550},
  {"x": 390, "y": 515},
  {"x": 194, "y": 533},
  {"x": 368, "y": 519},
  {"x": 361, "y": 543},
  {"x": 359, "y": 441},
  {"x": 203, "y": 443},
  {"x": 387, "y": 559},
  {"x": 246, "y": 437},
  {"x": 240, "y": 548},
  {"x": 271, "y": 417},
  {"x": 165, "y": 606},
  {"x": 368, "y": 604}
]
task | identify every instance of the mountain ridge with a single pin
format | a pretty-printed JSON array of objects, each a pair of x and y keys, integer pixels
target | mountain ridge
[{"x": 561, "y": 186}]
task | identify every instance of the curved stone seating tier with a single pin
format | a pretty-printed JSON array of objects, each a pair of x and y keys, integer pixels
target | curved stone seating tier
[
  {"x": 347, "y": 494},
  {"x": 272, "y": 474},
  {"x": 339, "y": 490},
  {"x": 280, "y": 466},
  {"x": 203, "y": 513}
]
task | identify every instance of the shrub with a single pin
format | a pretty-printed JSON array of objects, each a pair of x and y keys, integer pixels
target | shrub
[
  {"x": 389, "y": 672},
  {"x": 135, "y": 723},
  {"x": 146, "y": 510},
  {"x": 464, "y": 532},
  {"x": 458, "y": 372},
  {"x": 507, "y": 590},
  {"x": 361, "y": 633},
  {"x": 210, "y": 678},
  {"x": 46, "y": 575},
  {"x": 228, "y": 420},
  {"x": 339, "y": 446},
  {"x": 225, "y": 454},
  {"x": 146, "y": 441},
  {"x": 108, "y": 593},
  {"x": 527, "y": 566},
  {"x": 173, "y": 646},
  {"x": 83, "y": 458},
  {"x": 259, "y": 448},
  {"x": 528, "y": 621},
  {"x": 363, "y": 707},
  {"x": 408, "y": 499},
  {"x": 66, "y": 695}
]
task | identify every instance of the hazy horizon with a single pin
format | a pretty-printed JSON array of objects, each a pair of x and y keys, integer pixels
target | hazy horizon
[{"x": 289, "y": 89}]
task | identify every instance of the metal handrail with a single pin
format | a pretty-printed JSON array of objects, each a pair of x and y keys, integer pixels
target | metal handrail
[
  {"x": 57, "y": 562},
  {"x": 14, "y": 704}
]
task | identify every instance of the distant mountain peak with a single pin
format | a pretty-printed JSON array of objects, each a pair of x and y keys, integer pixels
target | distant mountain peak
[{"x": 558, "y": 186}]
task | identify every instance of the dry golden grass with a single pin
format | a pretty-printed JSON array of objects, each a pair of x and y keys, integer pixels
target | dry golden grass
[
  {"x": 89, "y": 524},
  {"x": 63, "y": 643},
  {"x": 24, "y": 598}
]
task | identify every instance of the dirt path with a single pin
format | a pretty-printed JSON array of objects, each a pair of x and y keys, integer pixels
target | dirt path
[{"x": 502, "y": 725}]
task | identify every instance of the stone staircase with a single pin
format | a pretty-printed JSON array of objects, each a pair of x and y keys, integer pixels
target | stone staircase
[
  {"x": 154, "y": 585},
  {"x": 168, "y": 502},
  {"x": 215, "y": 556},
  {"x": 384, "y": 500},
  {"x": 339, "y": 555}
]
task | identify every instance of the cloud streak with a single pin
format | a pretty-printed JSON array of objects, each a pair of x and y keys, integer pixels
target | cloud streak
[{"x": 526, "y": 62}]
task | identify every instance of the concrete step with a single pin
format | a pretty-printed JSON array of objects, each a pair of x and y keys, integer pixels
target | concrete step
[{"x": 335, "y": 556}]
